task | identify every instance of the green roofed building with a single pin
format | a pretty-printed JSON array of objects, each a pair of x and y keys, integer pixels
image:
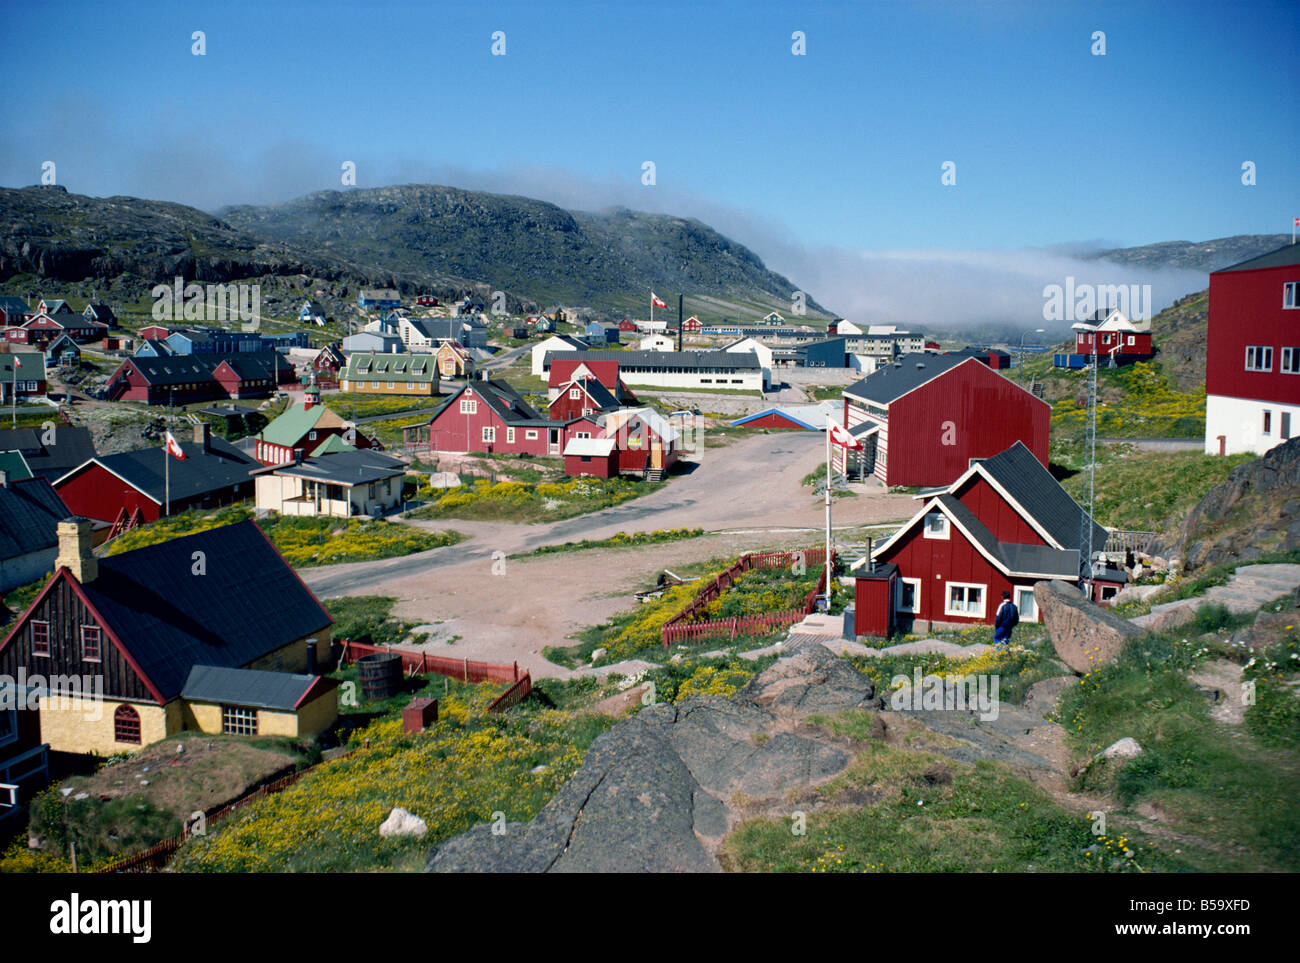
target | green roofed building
[{"x": 392, "y": 374}]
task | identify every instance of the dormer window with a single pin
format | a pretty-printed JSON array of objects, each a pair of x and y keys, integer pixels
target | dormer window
[{"x": 936, "y": 525}]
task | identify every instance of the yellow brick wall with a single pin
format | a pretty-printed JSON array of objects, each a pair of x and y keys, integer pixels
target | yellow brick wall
[
  {"x": 293, "y": 657},
  {"x": 399, "y": 388},
  {"x": 74, "y": 724},
  {"x": 272, "y": 722},
  {"x": 203, "y": 717},
  {"x": 319, "y": 714}
]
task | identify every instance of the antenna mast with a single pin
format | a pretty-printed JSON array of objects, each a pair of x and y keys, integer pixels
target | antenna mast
[{"x": 1089, "y": 477}]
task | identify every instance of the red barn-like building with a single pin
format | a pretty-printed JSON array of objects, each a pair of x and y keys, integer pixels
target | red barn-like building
[
  {"x": 1003, "y": 525},
  {"x": 565, "y": 370},
  {"x": 488, "y": 416},
  {"x": 1252, "y": 368},
  {"x": 922, "y": 419}
]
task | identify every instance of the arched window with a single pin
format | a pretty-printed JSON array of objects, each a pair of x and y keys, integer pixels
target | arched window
[{"x": 126, "y": 725}]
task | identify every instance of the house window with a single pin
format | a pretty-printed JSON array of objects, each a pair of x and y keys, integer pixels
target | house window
[
  {"x": 239, "y": 721},
  {"x": 8, "y": 725},
  {"x": 468, "y": 407},
  {"x": 1291, "y": 294},
  {"x": 510, "y": 436},
  {"x": 530, "y": 435},
  {"x": 1268, "y": 422},
  {"x": 1026, "y": 605},
  {"x": 909, "y": 595},
  {"x": 126, "y": 725},
  {"x": 1132, "y": 340},
  {"x": 1284, "y": 428},
  {"x": 936, "y": 525},
  {"x": 311, "y": 436},
  {"x": 90, "y": 650},
  {"x": 1259, "y": 358},
  {"x": 41, "y": 638},
  {"x": 574, "y": 394},
  {"x": 489, "y": 433},
  {"x": 388, "y": 486},
  {"x": 391, "y": 385},
  {"x": 1291, "y": 360},
  {"x": 583, "y": 434},
  {"x": 372, "y": 491},
  {"x": 965, "y": 599}
]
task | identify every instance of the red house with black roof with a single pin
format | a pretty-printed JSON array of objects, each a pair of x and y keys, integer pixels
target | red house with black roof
[
  {"x": 487, "y": 416},
  {"x": 1002, "y": 525},
  {"x": 923, "y": 418}
]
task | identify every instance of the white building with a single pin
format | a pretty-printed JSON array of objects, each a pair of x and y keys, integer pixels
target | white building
[
  {"x": 760, "y": 350},
  {"x": 657, "y": 342},
  {"x": 557, "y": 342}
]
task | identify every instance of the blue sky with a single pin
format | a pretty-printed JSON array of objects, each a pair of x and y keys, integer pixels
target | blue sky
[{"x": 839, "y": 149}]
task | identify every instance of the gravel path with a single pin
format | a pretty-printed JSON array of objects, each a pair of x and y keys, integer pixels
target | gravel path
[{"x": 504, "y": 609}]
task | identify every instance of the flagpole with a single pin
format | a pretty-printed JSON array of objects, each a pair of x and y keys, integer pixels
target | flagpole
[
  {"x": 828, "y": 519},
  {"x": 167, "y": 480}
]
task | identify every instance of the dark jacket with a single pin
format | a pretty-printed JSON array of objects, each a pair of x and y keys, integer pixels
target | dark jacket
[{"x": 1008, "y": 616}]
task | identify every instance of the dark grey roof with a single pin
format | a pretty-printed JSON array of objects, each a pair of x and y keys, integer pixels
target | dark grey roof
[
  {"x": 100, "y": 312},
  {"x": 508, "y": 403},
  {"x": 1286, "y": 255},
  {"x": 602, "y": 396},
  {"x": 1032, "y": 486},
  {"x": 906, "y": 374},
  {"x": 219, "y": 466},
  {"x": 70, "y": 447},
  {"x": 30, "y": 512},
  {"x": 1019, "y": 559},
  {"x": 247, "y": 687},
  {"x": 346, "y": 467},
  {"x": 683, "y": 360},
  {"x": 14, "y": 305},
  {"x": 246, "y": 604},
  {"x": 438, "y": 329}
]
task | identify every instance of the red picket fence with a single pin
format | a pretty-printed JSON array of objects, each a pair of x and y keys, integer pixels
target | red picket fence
[
  {"x": 421, "y": 663},
  {"x": 684, "y": 627},
  {"x": 516, "y": 694}
]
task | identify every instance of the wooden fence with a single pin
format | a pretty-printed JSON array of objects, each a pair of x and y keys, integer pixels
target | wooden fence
[
  {"x": 156, "y": 856},
  {"x": 421, "y": 663},
  {"x": 516, "y": 694},
  {"x": 686, "y": 626}
]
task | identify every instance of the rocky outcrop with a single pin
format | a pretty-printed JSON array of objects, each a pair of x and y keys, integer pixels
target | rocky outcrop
[
  {"x": 1254, "y": 512},
  {"x": 1084, "y": 634},
  {"x": 659, "y": 791}
]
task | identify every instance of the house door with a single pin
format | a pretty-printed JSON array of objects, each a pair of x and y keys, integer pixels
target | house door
[{"x": 553, "y": 441}]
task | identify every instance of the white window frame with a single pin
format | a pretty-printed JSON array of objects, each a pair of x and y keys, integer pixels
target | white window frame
[
  {"x": 489, "y": 434},
  {"x": 1290, "y": 360},
  {"x": 1284, "y": 425},
  {"x": 947, "y": 526},
  {"x": 468, "y": 406},
  {"x": 239, "y": 720},
  {"x": 1291, "y": 295},
  {"x": 965, "y": 610},
  {"x": 1267, "y": 425},
  {"x": 575, "y": 394},
  {"x": 1132, "y": 340},
  {"x": 1259, "y": 357},
  {"x": 916, "y": 596},
  {"x": 1018, "y": 595},
  {"x": 530, "y": 434},
  {"x": 510, "y": 436}
]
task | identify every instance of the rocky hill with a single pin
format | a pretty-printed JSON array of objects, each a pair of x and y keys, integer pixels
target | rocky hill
[
  {"x": 526, "y": 246},
  {"x": 417, "y": 238},
  {"x": 1207, "y": 256},
  {"x": 1255, "y": 512}
]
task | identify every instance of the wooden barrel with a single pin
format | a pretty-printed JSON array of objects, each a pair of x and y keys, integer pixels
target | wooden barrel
[{"x": 381, "y": 674}]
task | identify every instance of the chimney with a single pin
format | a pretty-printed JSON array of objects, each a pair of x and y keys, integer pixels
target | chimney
[
  {"x": 74, "y": 550},
  {"x": 203, "y": 435}
]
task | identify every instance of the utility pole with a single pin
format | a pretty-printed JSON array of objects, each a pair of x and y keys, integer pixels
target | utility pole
[{"x": 1089, "y": 477}]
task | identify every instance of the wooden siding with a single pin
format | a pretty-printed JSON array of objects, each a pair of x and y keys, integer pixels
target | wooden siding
[
  {"x": 66, "y": 613},
  {"x": 997, "y": 513},
  {"x": 1246, "y": 309}
]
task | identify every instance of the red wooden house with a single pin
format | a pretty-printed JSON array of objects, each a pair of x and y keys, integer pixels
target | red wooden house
[
  {"x": 565, "y": 370},
  {"x": 646, "y": 442},
  {"x": 488, "y": 416},
  {"x": 627, "y": 325},
  {"x": 1002, "y": 525},
  {"x": 1116, "y": 337},
  {"x": 591, "y": 456},
  {"x": 329, "y": 361},
  {"x": 46, "y": 328},
  {"x": 1252, "y": 370},
  {"x": 940, "y": 411},
  {"x": 154, "y": 332},
  {"x": 582, "y": 396},
  {"x": 141, "y": 485},
  {"x": 692, "y": 324},
  {"x": 427, "y": 301}
]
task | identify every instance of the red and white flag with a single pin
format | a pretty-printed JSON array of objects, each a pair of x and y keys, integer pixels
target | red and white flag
[
  {"x": 174, "y": 447},
  {"x": 654, "y": 299},
  {"x": 1295, "y": 222},
  {"x": 840, "y": 436}
]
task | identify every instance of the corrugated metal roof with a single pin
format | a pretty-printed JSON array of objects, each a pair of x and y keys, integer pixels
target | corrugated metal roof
[
  {"x": 255, "y": 688},
  {"x": 590, "y": 447}
]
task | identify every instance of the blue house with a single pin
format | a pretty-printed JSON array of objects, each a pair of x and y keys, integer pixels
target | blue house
[{"x": 602, "y": 333}]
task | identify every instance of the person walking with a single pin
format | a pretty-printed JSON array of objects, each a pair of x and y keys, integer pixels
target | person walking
[{"x": 1007, "y": 618}]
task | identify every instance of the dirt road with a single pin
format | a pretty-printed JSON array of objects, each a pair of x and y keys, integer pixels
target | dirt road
[{"x": 748, "y": 494}]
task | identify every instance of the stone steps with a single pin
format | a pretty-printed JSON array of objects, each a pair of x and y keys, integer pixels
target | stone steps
[{"x": 1247, "y": 589}]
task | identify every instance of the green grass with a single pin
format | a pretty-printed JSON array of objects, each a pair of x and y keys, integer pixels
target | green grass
[
  {"x": 1135, "y": 401},
  {"x": 368, "y": 619},
  {"x": 898, "y": 810},
  {"x": 303, "y": 542},
  {"x": 1145, "y": 490},
  {"x": 1233, "y": 799},
  {"x": 354, "y": 404},
  {"x": 532, "y": 502},
  {"x": 620, "y": 540}
]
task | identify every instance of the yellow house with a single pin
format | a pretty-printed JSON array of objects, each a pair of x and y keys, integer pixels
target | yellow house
[
  {"x": 391, "y": 374},
  {"x": 113, "y": 642}
]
